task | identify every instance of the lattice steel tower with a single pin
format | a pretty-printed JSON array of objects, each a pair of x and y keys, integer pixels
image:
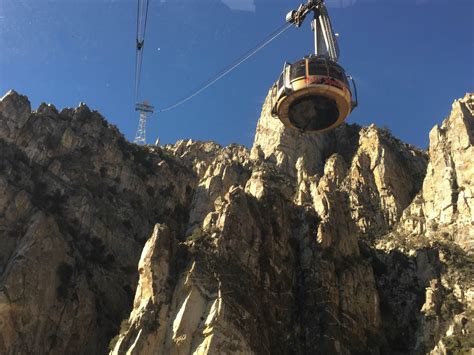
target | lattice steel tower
[{"x": 144, "y": 108}]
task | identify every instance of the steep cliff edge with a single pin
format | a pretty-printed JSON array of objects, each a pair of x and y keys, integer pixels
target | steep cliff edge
[{"x": 345, "y": 242}]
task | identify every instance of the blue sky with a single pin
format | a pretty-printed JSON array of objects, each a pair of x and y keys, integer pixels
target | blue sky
[{"x": 410, "y": 59}]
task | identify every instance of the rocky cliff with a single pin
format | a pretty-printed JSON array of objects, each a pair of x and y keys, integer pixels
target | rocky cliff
[{"x": 345, "y": 242}]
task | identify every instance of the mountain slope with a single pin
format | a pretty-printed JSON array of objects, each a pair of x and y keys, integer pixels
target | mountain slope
[{"x": 345, "y": 242}]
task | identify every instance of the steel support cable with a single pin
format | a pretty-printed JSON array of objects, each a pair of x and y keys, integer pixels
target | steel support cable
[
  {"x": 137, "y": 71},
  {"x": 231, "y": 66},
  {"x": 137, "y": 50},
  {"x": 142, "y": 17},
  {"x": 138, "y": 18}
]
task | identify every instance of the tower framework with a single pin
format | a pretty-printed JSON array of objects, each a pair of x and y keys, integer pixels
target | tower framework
[{"x": 145, "y": 109}]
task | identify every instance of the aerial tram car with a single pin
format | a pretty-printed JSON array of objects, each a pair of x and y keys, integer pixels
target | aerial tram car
[{"x": 314, "y": 93}]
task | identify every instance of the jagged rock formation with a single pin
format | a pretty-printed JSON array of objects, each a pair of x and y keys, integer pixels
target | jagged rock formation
[
  {"x": 77, "y": 204},
  {"x": 447, "y": 198},
  {"x": 345, "y": 242}
]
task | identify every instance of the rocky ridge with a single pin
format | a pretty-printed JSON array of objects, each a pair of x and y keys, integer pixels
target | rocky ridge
[{"x": 345, "y": 242}]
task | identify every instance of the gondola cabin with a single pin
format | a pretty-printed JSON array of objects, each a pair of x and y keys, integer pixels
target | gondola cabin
[{"x": 312, "y": 94}]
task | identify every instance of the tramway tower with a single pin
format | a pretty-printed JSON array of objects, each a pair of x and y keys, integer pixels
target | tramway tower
[{"x": 145, "y": 109}]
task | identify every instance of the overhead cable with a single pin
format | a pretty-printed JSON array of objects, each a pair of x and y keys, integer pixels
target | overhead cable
[
  {"x": 230, "y": 67},
  {"x": 142, "y": 16}
]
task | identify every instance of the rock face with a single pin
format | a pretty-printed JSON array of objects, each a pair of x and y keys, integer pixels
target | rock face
[
  {"x": 447, "y": 199},
  {"x": 345, "y": 242},
  {"x": 77, "y": 204}
]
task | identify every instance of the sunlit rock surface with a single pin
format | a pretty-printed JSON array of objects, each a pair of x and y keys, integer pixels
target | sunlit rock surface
[{"x": 345, "y": 242}]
